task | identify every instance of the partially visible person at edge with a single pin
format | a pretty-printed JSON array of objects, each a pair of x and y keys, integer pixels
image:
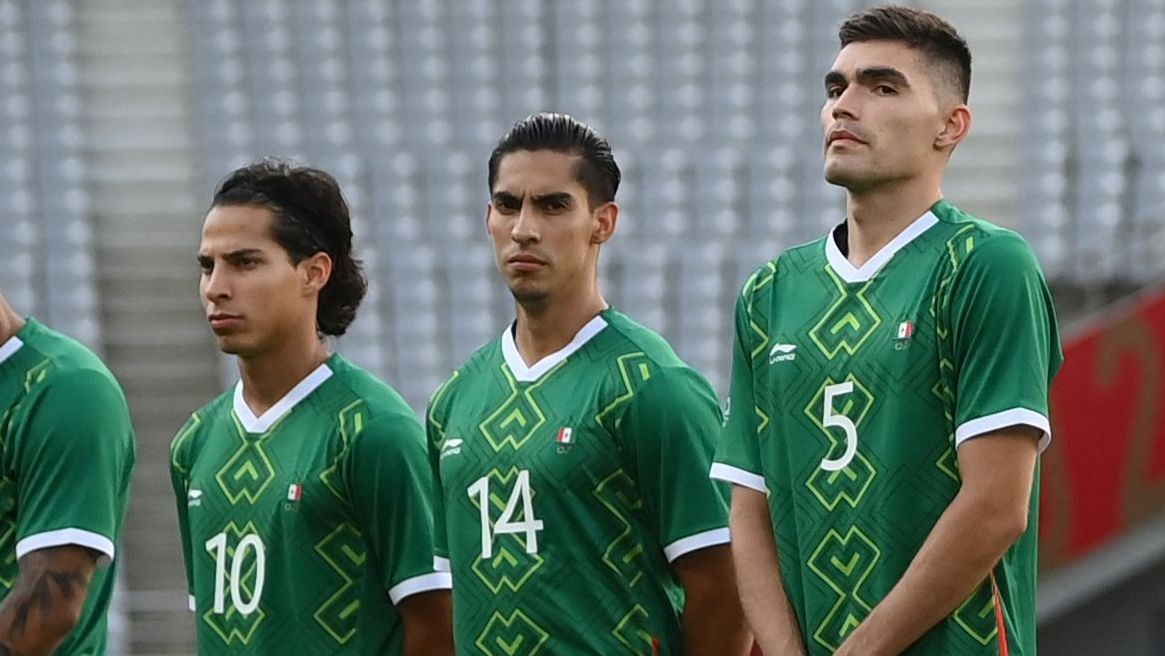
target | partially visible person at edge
[
  {"x": 66, "y": 455},
  {"x": 890, "y": 385}
]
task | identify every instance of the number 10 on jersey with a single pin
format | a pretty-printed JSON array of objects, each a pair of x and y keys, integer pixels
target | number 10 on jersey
[
  {"x": 530, "y": 525},
  {"x": 241, "y": 601}
]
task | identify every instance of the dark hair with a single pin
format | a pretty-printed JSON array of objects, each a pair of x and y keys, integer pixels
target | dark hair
[
  {"x": 310, "y": 216},
  {"x": 919, "y": 30},
  {"x": 596, "y": 171}
]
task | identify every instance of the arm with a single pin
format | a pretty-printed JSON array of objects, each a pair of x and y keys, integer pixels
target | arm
[
  {"x": 987, "y": 516},
  {"x": 427, "y": 620},
  {"x": 758, "y": 573},
  {"x": 390, "y": 484},
  {"x": 46, "y": 601},
  {"x": 179, "y": 481},
  {"x": 712, "y": 622}
]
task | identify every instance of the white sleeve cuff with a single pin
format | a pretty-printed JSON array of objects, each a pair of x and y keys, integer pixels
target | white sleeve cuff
[
  {"x": 1013, "y": 417},
  {"x": 66, "y": 536},
  {"x": 417, "y": 584},
  {"x": 441, "y": 564},
  {"x": 190, "y": 603},
  {"x": 696, "y": 542},
  {"x": 737, "y": 476}
]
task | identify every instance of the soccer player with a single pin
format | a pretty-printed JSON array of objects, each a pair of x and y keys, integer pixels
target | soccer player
[
  {"x": 571, "y": 453},
  {"x": 66, "y": 453},
  {"x": 303, "y": 493},
  {"x": 890, "y": 385}
]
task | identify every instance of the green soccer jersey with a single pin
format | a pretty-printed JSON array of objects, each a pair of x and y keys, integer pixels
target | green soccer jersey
[
  {"x": 568, "y": 488},
  {"x": 852, "y": 389},
  {"x": 304, "y": 527},
  {"x": 66, "y": 453}
]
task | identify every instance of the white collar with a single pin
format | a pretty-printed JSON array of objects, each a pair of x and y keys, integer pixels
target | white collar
[
  {"x": 533, "y": 372},
  {"x": 276, "y": 412},
  {"x": 851, "y": 274},
  {"x": 10, "y": 347}
]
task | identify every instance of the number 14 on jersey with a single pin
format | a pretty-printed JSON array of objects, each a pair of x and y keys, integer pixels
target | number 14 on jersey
[{"x": 530, "y": 525}]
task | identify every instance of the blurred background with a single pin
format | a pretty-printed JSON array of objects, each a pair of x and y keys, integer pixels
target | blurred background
[{"x": 117, "y": 118}]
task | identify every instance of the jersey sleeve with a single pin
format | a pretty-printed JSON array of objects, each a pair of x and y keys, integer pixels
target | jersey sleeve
[
  {"x": 737, "y": 455},
  {"x": 669, "y": 430},
  {"x": 74, "y": 453},
  {"x": 180, "y": 481},
  {"x": 389, "y": 483},
  {"x": 1006, "y": 345},
  {"x": 435, "y": 435}
]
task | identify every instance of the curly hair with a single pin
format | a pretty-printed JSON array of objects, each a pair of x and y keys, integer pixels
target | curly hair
[{"x": 310, "y": 216}]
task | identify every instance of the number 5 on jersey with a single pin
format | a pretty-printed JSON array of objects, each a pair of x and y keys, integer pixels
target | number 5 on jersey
[
  {"x": 831, "y": 420},
  {"x": 529, "y": 525}
]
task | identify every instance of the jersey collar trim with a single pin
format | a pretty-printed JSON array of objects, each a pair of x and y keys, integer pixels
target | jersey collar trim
[
  {"x": 9, "y": 348},
  {"x": 276, "y": 412},
  {"x": 526, "y": 374},
  {"x": 851, "y": 274}
]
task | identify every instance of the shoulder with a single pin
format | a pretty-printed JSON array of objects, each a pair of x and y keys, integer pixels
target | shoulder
[
  {"x": 805, "y": 257},
  {"x": 625, "y": 335},
  {"x": 384, "y": 414},
  {"x": 484, "y": 360},
  {"x": 973, "y": 241},
  {"x": 69, "y": 367},
  {"x": 198, "y": 426},
  {"x": 654, "y": 355},
  {"x": 648, "y": 366},
  {"x": 353, "y": 384}
]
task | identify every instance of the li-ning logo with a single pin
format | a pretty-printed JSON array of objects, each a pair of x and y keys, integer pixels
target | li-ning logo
[
  {"x": 451, "y": 447},
  {"x": 782, "y": 353},
  {"x": 193, "y": 498}
]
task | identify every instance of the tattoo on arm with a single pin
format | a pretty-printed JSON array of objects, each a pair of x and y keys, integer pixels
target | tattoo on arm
[
  {"x": 46, "y": 600},
  {"x": 66, "y": 585}
]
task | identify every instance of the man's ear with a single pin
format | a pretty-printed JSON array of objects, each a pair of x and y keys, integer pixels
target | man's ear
[
  {"x": 606, "y": 219},
  {"x": 315, "y": 272},
  {"x": 955, "y": 128}
]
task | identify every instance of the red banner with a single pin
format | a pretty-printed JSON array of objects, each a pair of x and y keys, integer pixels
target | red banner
[{"x": 1105, "y": 470}]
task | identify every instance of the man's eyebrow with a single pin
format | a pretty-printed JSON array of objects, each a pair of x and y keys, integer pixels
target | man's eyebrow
[
  {"x": 834, "y": 78},
  {"x": 889, "y": 74},
  {"x": 242, "y": 253},
  {"x": 505, "y": 197},
  {"x": 553, "y": 198}
]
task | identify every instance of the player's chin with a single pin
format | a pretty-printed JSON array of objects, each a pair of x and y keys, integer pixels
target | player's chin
[
  {"x": 528, "y": 291},
  {"x": 843, "y": 174},
  {"x": 233, "y": 345}
]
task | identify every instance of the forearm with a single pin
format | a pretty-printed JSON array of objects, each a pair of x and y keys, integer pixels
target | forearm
[
  {"x": 434, "y": 642},
  {"x": 428, "y": 625},
  {"x": 966, "y": 542},
  {"x": 713, "y": 623},
  {"x": 33, "y": 621},
  {"x": 758, "y": 575}
]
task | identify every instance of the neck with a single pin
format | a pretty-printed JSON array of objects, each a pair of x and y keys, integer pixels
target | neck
[
  {"x": 10, "y": 321},
  {"x": 875, "y": 217},
  {"x": 270, "y": 376},
  {"x": 545, "y": 327}
]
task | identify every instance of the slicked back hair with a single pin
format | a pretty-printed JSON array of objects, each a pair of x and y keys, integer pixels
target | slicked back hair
[
  {"x": 309, "y": 216},
  {"x": 936, "y": 39},
  {"x": 596, "y": 170}
]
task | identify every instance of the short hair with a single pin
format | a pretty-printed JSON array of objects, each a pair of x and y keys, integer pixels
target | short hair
[
  {"x": 919, "y": 30},
  {"x": 310, "y": 216},
  {"x": 596, "y": 171}
]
